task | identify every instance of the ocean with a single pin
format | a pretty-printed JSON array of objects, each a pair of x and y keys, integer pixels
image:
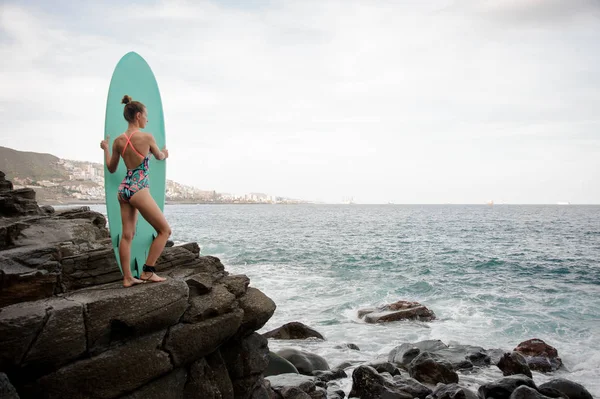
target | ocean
[{"x": 494, "y": 275}]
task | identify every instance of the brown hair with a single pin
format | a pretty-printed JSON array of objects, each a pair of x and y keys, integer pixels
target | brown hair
[{"x": 131, "y": 108}]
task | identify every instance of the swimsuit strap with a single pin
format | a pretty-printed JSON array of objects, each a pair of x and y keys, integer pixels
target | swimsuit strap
[{"x": 132, "y": 147}]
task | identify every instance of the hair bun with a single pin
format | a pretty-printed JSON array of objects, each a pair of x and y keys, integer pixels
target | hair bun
[{"x": 126, "y": 99}]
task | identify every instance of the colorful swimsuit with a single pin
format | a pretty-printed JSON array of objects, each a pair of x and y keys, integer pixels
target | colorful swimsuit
[{"x": 136, "y": 178}]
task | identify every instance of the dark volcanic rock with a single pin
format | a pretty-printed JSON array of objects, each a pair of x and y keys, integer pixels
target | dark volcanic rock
[
  {"x": 5, "y": 185},
  {"x": 504, "y": 387},
  {"x": 188, "y": 342},
  {"x": 7, "y": 391},
  {"x": 405, "y": 353},
  {"x": 539, "y": 355},
  {"x": 278, "y": 365},
  {"x": 368, "y": 384},
  {"x": 258, "y": 309},
  {"x": 304, "y": 362},
  {"x": 569, "y": 388},
  {"x": 139, "y": 362},
  {"x": 330, "y": 375},
  {"x": 401, "y": 310},
  {"x": 293, "y": 330},
  {"x": 246, "y": 360},
  {"x": 514, "y": 363},
  {"x": 451, "y": 391},
  {"x": 170, "y": 386},
  {"x": 431, "y": 368},
  {"x": 19, "y": 202},
  {"x": 115, "y": 314},
  {"x": 525, "y": 392}
]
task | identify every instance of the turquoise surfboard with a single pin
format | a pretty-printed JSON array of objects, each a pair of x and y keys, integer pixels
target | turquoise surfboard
[{"x": 133, "y": 76}]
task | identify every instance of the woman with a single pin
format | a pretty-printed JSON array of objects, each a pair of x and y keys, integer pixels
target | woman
[{"x": 134, "y": 191}]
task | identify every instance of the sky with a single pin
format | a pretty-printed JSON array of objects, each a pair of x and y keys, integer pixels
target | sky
[{"x": 415, "y": 101}]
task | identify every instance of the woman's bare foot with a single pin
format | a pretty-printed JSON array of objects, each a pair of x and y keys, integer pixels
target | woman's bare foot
[
  {"x": 151, "y": 277},
  {"x": 128, "y": 282}
]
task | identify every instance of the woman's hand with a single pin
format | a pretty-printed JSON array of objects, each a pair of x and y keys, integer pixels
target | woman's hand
[
  {"x": 166, "y": 152},
  {"x": 104, "y": 143}
]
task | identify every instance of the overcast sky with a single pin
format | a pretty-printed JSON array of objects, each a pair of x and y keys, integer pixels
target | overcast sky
[{"x": 410, "y": 101}]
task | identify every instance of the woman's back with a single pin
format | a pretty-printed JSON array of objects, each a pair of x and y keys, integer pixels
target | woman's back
[{"x": 134, "y": 152}]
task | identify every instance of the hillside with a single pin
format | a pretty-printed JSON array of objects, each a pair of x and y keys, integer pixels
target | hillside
[{"x": 33, "y": 165}]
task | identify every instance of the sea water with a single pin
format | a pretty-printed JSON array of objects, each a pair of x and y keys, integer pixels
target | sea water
[{"x": 494, "y": 275}]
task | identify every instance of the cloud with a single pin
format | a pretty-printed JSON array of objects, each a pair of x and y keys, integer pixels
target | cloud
[{"x": 376, "y": 100}]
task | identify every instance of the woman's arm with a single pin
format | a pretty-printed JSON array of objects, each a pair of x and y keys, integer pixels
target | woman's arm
[
  {"x": 112, "y": 162},
  {"x": 158, "y": 154}
]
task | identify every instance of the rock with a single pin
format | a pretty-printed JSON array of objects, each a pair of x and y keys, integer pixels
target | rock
[
  {"x": 189, "y": 342},
  {"x": 451, "y": 391},
  {"x": 170, "y": 386},
  {"x": 525, "y": 392},
  {"x": 91, "y": 268},
  {"x": 204, "y": 382},
  {"x": 330, "y": 375},
  {"x": 304, "y": 382},
  {"x": 504, "y": 387},
  {"x": 19, "y": 202},
  {"x": 5, "y": 185},
  {"x": 571, "y": 389},
  {"x": 296, "y": 386},
  {"x": 401, "y": 310},
  {"x": 215, "y": 303},
  {"x": 7, "y": 391},
  {"x": 464, "y": 356},
  {"x": 47, "y": 209},
  {"x": 263, "y": 390},
  {"x": 513, "y": 363},
  {"x": 116, "y": 314},
  {"x": 246, "y": 359},
  {"x": 62, "y": 338},
  {"x": 10, "y": 232},
  {"x": 258, "y": 309},
  {"x": 304, "y": 362},
  {"x": 539, "y": 355},
  {"x": 179, "y": 255},
  {"x": 385, "y": 367},
  {"x": 411, "y": 386},
  {"x": 278, "y": 365},
  {"x": 236, "y": 284},
  {"x": 193, "y": 247},
  {"x": 368, "y": 384},
  {"x": 293, "y": 330},
  {"x": 405, "y": 353},
  {"x": 431, "y": 368},
  {"x": 347, "y": 346},
  {"x": 139, "y": 362}
]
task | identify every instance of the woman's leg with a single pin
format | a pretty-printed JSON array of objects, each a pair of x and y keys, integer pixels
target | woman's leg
[
  {"x": 128, "y": 217},
  {"x": 143, "y": 202}
]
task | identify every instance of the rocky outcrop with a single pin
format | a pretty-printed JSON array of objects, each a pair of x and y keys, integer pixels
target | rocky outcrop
[
  {"x": 539, "y": 355},
  {"x": 401, "y": 310},
  {"x": 293, "y": 330},
  {"x": 68, "y": 329}
]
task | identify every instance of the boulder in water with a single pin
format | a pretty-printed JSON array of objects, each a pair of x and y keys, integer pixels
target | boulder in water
[
  {"x": 305, "y": 362},
  {"x": 569, "y": 388},
  {"x": 514, "y": 363},
  {"x": 293, "y": 330},
  {"x": 401, "y": 310},
  {"x": 539, "y": 355}
]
